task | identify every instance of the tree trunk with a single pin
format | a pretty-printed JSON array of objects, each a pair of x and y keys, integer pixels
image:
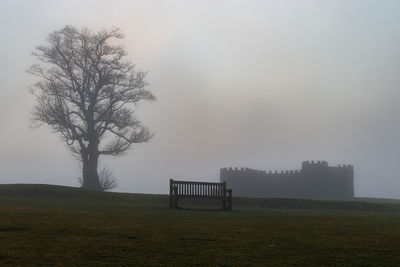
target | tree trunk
[{"x": 89, "y": 171}]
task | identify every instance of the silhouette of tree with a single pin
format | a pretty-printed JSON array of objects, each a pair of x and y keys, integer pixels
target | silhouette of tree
[{"x": 87, "y": 93}]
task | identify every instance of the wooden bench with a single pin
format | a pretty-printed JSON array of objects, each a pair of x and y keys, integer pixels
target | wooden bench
[{"x": 199, "y": 190}]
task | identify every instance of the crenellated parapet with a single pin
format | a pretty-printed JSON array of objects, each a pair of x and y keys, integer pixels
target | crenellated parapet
[
  {"x": 247, "y": 172},
  {"x": 242, "y": 171},
  {"x": 322, "y": 164},
  {"x": 344, "y": 166},
  {"x": 306, "y": 166},
  {"x": 314, "y": 165}
]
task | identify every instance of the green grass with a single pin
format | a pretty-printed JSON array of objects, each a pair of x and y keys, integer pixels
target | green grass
[{"x": 54, "y": 225}]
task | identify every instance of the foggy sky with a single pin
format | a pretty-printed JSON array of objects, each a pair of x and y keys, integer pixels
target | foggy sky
[{"x": 259, "y": 84}]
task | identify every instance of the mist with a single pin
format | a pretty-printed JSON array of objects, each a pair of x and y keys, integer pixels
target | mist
[{"x": 258, "y": 84}]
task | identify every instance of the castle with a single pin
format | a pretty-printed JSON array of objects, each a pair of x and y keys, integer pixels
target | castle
[{"x": 315, "y": 180}]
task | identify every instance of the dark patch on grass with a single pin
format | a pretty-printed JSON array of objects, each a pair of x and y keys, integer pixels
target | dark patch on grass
[
  {"x": 13, "y": 228},
  {"x": 198, "y": 239},
  {"x": 132, "y": 237},
  {"x": 200, "y": 209}
]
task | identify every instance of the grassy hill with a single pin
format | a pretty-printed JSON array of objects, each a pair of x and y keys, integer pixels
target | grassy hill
[{"x": 57, "y": 225}]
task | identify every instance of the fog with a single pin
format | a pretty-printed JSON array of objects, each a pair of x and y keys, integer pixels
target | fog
[{"x": 258, "y": 84}]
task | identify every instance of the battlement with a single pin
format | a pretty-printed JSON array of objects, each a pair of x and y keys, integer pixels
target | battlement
[
  {"x": 344, "y": 166},
  {"x": 312, "y": 164},
  {"x": 242, "y": 170},
  {"x": 306, "y": 166},
  {"x": 248, "y": 171}
]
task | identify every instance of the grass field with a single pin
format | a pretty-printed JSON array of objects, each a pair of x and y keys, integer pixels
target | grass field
[{"x": 54, "y": 225}]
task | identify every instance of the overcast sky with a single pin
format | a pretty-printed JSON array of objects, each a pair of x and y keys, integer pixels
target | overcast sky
[{"x": 259, "y": 84}]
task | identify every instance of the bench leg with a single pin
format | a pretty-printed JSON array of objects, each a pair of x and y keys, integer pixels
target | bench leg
[
  {"x": 230, "y": 199},
  {"x": 175, "y": 197}
]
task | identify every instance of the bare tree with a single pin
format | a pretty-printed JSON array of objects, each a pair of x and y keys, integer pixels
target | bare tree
[{"x": 87, "y": 93}]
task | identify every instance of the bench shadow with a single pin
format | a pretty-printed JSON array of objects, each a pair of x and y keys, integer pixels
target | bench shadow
[{"x": 197, "y": 209}]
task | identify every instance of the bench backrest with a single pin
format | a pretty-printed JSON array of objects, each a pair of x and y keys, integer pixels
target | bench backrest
[{"x": 198, "y": 189}]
